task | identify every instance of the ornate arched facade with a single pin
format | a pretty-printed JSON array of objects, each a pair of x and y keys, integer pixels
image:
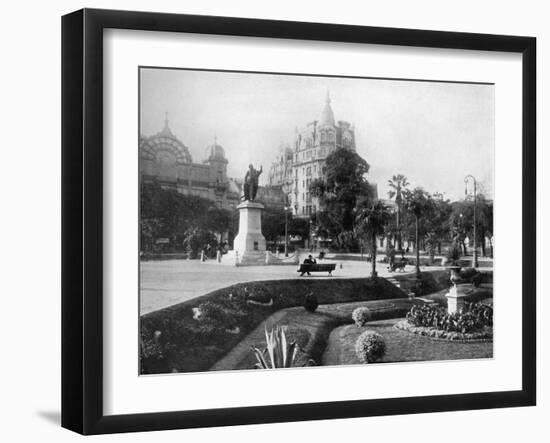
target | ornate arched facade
[{"x": 163, "y": 158}]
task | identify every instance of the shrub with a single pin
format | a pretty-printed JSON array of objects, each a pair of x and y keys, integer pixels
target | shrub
[
  {"x": 473, "y": 317},
  {"x": 311, "y": 303},
  {"x": 370, "y": 347},
  {"x": 361, "y": 316},
  {"x": 154, "y": 353}
]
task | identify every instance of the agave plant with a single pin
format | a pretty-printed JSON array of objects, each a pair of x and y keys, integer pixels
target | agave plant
[{"x": 279, "y": 353}]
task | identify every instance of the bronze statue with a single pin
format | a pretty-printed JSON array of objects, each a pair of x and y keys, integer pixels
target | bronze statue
[{"x": 251, "y": 182}]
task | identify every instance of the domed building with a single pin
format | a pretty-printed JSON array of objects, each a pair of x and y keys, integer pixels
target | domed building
[{"x": 164, "y": 159}]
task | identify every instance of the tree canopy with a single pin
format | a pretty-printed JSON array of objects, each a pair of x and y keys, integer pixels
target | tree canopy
[
  {"x": 371, "y": 221},
  {"x": 344, "y": 185},
  {"x": 168, "y": 214}
]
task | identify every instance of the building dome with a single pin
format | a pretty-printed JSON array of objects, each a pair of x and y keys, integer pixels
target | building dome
[
  {"x": 164, "y": 141},
  {"x": 215, "y": 152},
  {"x": 327, "y": 116}
]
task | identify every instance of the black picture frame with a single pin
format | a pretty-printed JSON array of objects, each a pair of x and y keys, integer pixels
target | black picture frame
[{"x": 82, "y": 218}]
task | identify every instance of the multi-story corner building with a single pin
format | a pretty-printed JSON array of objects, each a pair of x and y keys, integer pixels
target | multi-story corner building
[
  {"x": 165, "y": 159},
  {"x": 294, "y": 169},
  {"x": 280, "y": 175}
]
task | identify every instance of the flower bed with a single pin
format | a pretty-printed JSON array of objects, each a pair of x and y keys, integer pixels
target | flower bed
[
  {"x": 473, "y": 317},
  {"x": 475, "y": 322},
  {"x": 485, "y": 334}
]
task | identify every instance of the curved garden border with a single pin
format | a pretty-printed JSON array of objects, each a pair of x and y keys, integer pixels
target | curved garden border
[{"x": 439, "y": 334}]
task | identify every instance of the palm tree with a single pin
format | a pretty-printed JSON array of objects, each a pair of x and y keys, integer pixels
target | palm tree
[
  {"x": 420, "y": 204},
  {"x": 398, "y": 185},
  {"x": 371, "y": 221}
]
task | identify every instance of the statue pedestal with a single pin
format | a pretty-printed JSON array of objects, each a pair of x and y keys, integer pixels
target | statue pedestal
[
  {"x": 456, "y": 298},
  {"x": 249, "y": 243}
]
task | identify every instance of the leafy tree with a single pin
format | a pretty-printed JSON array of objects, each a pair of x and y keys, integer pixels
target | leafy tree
[
  {"x": 197, "y": 239},
  {"x": 273, "y": 223},
  {"x": 169, "y": 214},
  {"x": 150, "y": 229},
  {"x": 218, "y": 221},
  {"x": 398, "y": 185},
  {"x": 461, "y": 221},
  {"x": 437, "y": 225},
  {"x": 343, "y": 186},
  {"x": 371, "y": 222},
  {"x": 419, "y": 205},
  {"x": 485, "y": 222}
]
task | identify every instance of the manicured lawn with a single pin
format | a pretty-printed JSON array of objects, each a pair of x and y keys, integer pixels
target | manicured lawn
[
  {"x": 400, "y": 345},
  {"x": 310, "y": 330},
  {"x": 186, "y": 344}
]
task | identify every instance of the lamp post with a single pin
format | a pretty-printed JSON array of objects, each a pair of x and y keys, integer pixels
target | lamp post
[
  {"x": 466, "y": 179},
  {"x": 286, "y": 230},
  {"x": 311, "y": 235}
]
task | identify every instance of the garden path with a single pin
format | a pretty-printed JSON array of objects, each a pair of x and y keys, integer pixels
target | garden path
[{"x": 315, "y": 329}]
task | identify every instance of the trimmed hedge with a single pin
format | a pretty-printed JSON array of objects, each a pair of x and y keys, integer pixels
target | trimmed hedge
[
  {"x": 361, "y": 316},
  {"x": 369, "y": 347}
]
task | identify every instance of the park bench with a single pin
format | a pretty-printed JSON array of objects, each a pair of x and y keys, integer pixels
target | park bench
[{"x": 324, "y": 267}]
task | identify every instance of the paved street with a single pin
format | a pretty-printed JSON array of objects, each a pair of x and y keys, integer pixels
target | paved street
[{"x": 164, "y": 283}]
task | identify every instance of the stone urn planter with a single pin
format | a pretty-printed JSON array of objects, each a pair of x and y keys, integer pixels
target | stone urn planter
[
  {"x": 454, "y": 273},
  {"x": 455, "y": 296}
]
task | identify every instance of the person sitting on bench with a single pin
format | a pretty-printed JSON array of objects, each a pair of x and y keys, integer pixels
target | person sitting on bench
[{"x": 309, "y": 261}]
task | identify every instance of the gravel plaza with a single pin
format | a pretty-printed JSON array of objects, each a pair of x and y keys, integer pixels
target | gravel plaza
[{"x": 167, "y": 282}]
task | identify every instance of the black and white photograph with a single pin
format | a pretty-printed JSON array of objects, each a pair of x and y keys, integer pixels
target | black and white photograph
[
  {"x": 297, "y": 221},
  {"x": 252, "y": 221}
]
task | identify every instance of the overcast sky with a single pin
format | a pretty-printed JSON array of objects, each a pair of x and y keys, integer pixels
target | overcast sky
[{"x": 433, "y": 133}]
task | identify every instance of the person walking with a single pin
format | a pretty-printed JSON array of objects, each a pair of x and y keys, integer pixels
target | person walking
[{"x": 391, "y": 258}]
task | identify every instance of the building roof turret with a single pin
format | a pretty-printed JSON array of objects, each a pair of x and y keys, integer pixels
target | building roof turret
[
  {"x": 216, "y": 152},
  {"x": 327, "y": 116},
  {"x": 166, "y": 131}
]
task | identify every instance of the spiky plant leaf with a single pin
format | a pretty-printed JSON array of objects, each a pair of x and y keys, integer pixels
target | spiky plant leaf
[{"x": 262, "y": 363}]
